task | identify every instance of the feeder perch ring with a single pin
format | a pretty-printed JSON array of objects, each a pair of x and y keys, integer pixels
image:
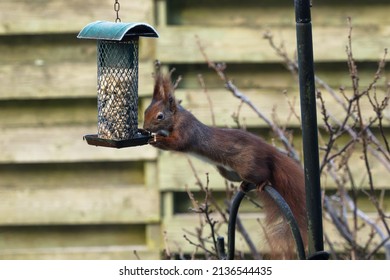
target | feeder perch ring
[{"x": 141, "y": 138}]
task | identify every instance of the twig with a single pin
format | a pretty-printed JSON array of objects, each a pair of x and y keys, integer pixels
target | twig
[
  {"x": 385, "y": 243},
  {"x": 379, "y": 107},
  {"x": 366, "y": 218},
  {"x": 199, "y": 246},
  {"x": 204, "y": 210},
  {"x": 204, "y": 189},
  {"x": 365, "y": 136},
  {"x": 342, "y": 228},
  {"x": 236, "y": 116},
  {"x": 291, "y": 105},
  {"x": 136, "y": 255},
  {"x": 331, "y": 247},
  {"x": 211, "y": 224},
  {"x": 203, "y": 85},
  {"x": 166, "y": 246}
]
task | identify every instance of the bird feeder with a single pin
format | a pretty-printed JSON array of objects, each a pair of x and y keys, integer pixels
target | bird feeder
[{"x": 117, "y": 82}]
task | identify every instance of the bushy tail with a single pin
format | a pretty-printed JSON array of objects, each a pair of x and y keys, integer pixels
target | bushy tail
[{"x": 288, "y": 180}]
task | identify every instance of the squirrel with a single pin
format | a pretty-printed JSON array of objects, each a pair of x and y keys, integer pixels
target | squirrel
[{"x": 237, "y": 154}]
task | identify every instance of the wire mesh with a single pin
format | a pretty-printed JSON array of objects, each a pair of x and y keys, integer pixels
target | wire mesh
[{"x": 117, "y": 89}]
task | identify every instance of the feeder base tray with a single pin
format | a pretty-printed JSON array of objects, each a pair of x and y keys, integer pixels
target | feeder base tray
[{"x": 141, "y": 138}]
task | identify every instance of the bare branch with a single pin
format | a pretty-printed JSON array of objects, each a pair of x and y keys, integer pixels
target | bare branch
[
  {"x": 292, "y": 66},
  {"x": 359, "y": 130},
  {"x": 200, "y": 246},
  {"x": 203, "y": 85},
  {"x": 219, "y": 68}
]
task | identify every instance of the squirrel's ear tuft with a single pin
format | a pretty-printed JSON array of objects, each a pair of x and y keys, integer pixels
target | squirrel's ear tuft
[
  {"x": 163, "y": 87},
  {"x": 158, "y": 92},
  {"x": 172, "y": 103}
]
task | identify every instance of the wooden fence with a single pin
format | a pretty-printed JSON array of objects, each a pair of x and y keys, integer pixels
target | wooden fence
[{"x": 60, "y": 198}]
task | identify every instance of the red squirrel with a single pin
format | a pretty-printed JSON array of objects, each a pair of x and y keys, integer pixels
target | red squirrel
[{"x": 237, "y": 154}]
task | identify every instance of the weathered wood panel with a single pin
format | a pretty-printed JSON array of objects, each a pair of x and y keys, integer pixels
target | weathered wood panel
[
  {"x": 48, "y": 237},
  {"x": 78, "y": 205},
  {"x": 269, "y": 102},
  {"x": 276, "y": 76},
  {"x": 48, "y": 112},
  {"x": 75, "y": 242},
  {"x": 61, "y": 144},
  {"x": 56, "y": 67},
  {"x": 65, "y": 80},
  {"x": 175, "y": 177},
  {"x": 243, "y": 44},
  {"x": 270, "y": 13},
  {"x": 58, "y": 16},
  {"x": 100, "y": 174},
  {"x": 83, "y": 253}
]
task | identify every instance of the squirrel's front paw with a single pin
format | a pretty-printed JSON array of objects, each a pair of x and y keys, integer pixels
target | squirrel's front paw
[
  {"x": 163, "y": 132},
  {"x": 246, "y": 186},
  {"x": 158, "y": 136}
]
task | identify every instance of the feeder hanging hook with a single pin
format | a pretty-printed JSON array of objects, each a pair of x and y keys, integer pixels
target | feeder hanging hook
[{"x": 117, "y": 7}]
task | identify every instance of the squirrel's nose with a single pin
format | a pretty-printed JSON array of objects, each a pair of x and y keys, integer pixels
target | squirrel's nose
[
  {"x": 148, "y": 127},
  {"x": 145, "y": 126}
]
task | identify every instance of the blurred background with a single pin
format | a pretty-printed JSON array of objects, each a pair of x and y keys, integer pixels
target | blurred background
[{"x": 63, "y": 199}]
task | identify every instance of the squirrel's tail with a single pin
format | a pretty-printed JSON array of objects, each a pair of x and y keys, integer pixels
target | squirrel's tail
[{"x": 288, "y": 180}]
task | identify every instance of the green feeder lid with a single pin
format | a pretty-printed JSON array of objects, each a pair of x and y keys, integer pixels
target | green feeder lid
[{"x": 116, "y": 31}]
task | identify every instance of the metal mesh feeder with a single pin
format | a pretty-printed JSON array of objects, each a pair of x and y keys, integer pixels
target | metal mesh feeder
[{"x": 117, "y": 82}]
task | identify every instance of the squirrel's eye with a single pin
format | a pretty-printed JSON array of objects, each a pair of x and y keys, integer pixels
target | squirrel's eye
[{"x": 160, "y": 116}]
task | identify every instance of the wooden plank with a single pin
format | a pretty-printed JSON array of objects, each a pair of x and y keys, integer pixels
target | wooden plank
[
  {"x": 154, "y": 236},
  {"x": 48, "y": 112},
  {"x": 49, "y": 16},
  {"x": 270, "y": 13},
  {"x": 175, "y": 173},
  {"x": 73, "y": 174},
  {"x": 71, "y": 236},
  {"x": 74, "y": 205},
  {"x": 268, "y": 101},
  {"x": 61, "y": 68},
  {"x": 50, "y": 49},
  {"x": 62, "y": 80},
  {"x": 243, "y": 44},
  {"x": 275, "y": 75},
  {"x": 83, "y": 253},
  {"x": 150, "y": 171},
  {"x": 61, "y": 144}
]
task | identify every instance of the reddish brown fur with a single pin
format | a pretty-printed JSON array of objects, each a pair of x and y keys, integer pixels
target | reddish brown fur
[{"x": 238, "y": 155}]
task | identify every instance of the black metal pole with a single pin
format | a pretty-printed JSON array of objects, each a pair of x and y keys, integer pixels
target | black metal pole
[{"x": 309, "y": 124}]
